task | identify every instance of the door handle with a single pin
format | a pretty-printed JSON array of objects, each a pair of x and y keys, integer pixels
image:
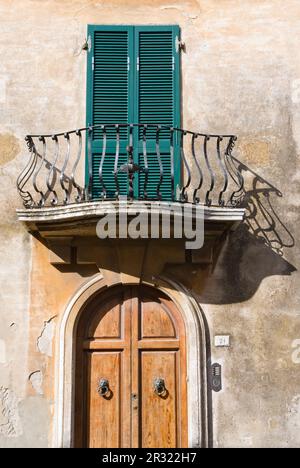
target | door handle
[
  {"x": 159, "y": 387},
  {"x": 103, "y": 387}
]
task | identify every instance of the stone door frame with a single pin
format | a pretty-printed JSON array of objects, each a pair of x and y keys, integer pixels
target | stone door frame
[{"x": 197, "y": 360}]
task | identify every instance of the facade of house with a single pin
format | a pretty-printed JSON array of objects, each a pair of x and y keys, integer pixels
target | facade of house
[{"x": 132, "y": 111}]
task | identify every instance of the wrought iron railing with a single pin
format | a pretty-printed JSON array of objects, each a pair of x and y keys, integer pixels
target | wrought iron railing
[{"x": 146, "y": 162}]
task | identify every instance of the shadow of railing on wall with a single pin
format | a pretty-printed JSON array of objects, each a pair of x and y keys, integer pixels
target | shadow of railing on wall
[
  {"x": 261, "y": 218},
  {"x": 254, "y": 251}
]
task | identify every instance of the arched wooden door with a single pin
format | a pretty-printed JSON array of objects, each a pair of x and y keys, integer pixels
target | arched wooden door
[{"x": 131, "y": 372}]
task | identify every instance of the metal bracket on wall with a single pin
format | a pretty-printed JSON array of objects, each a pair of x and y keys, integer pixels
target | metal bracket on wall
[
  {"x": 87, "y": 44},
  {"x": 179, "y": 44},
  {"x": 216, "y": 377}
]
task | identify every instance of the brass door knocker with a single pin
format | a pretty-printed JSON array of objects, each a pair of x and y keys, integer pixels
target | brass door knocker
[
  {"x": 159, "y": 387},
  {"x": 103, "y": 388}
]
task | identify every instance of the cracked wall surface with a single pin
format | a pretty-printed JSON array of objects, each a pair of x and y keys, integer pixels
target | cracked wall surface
[
  {"x": 36, "y": 380},
  {"x": 9, "y": 415},
  {"x": 240, "y": 74},
  {"x": 45, "y": 340}
]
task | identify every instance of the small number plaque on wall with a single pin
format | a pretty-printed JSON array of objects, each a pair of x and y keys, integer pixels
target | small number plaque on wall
[{"x": 222, "y": 341}]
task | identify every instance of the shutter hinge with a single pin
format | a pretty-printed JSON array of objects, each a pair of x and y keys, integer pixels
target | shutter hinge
[
  {"x": 173, "y": 63},
  {"x": 93, "y": 63},
  {"x": 179, "y": 44},
  {"x": 89, "y": 43},
  {"x": 128, "y": 63},
  {"x": 138, "y": 64}
]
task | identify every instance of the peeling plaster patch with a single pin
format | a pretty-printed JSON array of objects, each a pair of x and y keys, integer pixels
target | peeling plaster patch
[
  {"x": 189, "y": 16},
  {"x": 247, "y": 440},
  {"x": 3, "y": 83},
  {"x": 10, "y": 148},
  {"x": 296, "y": 353},
  {"x": 293, "y": 415},
  {"x": 36, "y": 380},
  {"x": 44, "y": 341},
  {"x": 2, "y": 352},
  {"x": 10, "y": 425},
  {"x": 294, "y": 407},
  {"x": 273, "y": 423},
  {"x": 293, "y": 420}
]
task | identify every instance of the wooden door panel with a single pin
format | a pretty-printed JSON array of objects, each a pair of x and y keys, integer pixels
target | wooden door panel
[
  {"x": 107, "y": 320},
  {"x": 158, "y": 413},
  {"x": 104, "y": 421},
  {"x": 131, "y": 336},
  {"x": 155, "y": 321},
  {"x": 104, "y": 352}
]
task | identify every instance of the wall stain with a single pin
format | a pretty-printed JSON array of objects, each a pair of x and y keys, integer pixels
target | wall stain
[
  {"x": 256, "y": 152},
  {"x": 9, "y": 148}
]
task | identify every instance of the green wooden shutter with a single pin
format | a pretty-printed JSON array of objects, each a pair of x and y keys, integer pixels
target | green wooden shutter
[
  {"x": 133, "y": 76},
  {"x": 109, "y": 86},
  {"x": 158, "y": 101}
]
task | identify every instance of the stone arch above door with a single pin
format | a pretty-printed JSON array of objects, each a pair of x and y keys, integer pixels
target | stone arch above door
[{"x": 197, "y": 360}]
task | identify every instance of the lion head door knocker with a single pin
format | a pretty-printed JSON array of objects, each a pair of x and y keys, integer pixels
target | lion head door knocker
[
  {"x": 160, "y": 387},
  {"x": 103, "y": 388}
]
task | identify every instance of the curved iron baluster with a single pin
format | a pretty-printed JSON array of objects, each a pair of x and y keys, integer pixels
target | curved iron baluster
[
  {"x": 103, "y": 194},
  {"x": 51, "y": 171},
  {"x": 130, "y": 163},
  {"x": 238, "y": 195},
  {"x": 172, "y": 163},
  {"x": 208, "y": 201},
  {"x": 117, "y": 193},
  {"x": 161, "y": 168},
  {"x": 90, "y": 164},
  {"x": 79, "y": 195},
  {"x": 26, "y": 173},
  {"x": 62, "y": 175},
  {"x": 39, "y": 167},
  {"x": 146, "y": 168},
  {"x": 196, "y": 199},
  {"x": 221, "y": 200},
  {"x": 184, "y": 195}
]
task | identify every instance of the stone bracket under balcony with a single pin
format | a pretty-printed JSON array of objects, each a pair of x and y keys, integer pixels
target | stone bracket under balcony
[{"x": 70, "y": 235}]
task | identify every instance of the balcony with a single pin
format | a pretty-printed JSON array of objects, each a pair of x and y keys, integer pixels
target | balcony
[{"x": 72, "y": 178}]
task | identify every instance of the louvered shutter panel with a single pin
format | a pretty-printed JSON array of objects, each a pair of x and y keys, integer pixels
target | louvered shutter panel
[
  {"x": 147, "y": 91},
  {"x": 108, "y": 103},
  {"x": 158, "y": 102}
]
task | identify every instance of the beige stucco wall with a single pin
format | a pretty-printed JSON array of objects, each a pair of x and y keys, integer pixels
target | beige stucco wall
[{"x": 240, "y": 74}]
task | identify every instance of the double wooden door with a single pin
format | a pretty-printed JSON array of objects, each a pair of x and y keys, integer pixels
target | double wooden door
[{"x": 131, "y": 372}]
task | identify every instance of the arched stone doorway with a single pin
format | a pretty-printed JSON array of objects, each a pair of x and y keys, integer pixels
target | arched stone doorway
[{"x": 185, "y": 315}]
